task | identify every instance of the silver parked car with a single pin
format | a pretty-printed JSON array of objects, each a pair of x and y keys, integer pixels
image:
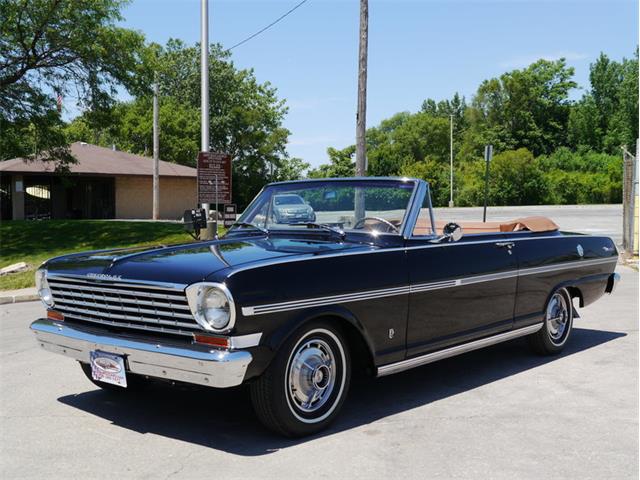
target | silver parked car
[{"x": 290, "y": 208}]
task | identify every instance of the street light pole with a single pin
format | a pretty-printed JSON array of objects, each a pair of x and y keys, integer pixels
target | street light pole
[
  {"x": 451, "y": 161},
  {"x": 204, "y": 99}
]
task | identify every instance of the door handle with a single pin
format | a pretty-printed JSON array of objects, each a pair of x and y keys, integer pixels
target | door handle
[{"x": 505, "y": 244}]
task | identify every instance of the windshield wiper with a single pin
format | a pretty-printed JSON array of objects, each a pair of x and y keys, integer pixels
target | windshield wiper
[
  {"x": 328, "y": 228},
  {"x": 252, "y": 225}
]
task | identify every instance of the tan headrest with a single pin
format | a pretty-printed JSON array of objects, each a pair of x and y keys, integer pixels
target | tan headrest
[{"x": 533, "y": 224}]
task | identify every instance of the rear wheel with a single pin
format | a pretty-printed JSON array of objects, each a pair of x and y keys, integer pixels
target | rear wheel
[
  {"x": 558, "y": 323},
  {"x": 306, "y": 384},
  {"x": 134, "y": 382}
]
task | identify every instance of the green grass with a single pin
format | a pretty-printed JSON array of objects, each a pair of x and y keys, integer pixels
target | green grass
[{"x": 36, "y": 241}]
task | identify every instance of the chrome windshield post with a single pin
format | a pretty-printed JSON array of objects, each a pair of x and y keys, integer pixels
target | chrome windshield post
[{"x": 413, "y": 210}]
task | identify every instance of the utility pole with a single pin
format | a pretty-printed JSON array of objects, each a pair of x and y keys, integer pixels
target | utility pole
[
  {"x": 204, "y": 97},
  {"x": 361, "y": 118},
  {"x": 451, "y": 161},
  {"x": 156, "y": 153}
]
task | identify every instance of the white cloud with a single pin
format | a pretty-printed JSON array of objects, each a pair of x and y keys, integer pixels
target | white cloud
[{"x": 523, "y": 61}]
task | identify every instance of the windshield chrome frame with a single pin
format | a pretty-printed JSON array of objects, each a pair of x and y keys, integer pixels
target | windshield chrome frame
[{"x": 420, "y": 188}]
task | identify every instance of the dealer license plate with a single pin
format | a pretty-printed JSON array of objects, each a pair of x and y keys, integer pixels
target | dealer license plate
[{"x": 108, "y": 368}]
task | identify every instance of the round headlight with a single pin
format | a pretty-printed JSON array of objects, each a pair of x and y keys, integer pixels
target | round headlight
[
  {"x": 42, "y": 286},
  {"x": 211, "y": 305},
  {"x": 215, "y": 308}
]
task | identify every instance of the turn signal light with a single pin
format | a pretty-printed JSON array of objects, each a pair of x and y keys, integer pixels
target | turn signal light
[
  {"x": 53, "y": 315},
  {"x": 222, "y": 342}
]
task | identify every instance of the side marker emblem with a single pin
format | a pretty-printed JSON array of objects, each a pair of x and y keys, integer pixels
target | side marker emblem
[{"x": 580, "y": 250}]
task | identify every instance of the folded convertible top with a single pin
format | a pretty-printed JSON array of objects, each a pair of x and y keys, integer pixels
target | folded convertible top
[{"x": 533, "y": 224}]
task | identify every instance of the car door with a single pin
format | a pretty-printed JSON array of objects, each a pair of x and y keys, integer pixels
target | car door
[{"x": 459, "y": 290}]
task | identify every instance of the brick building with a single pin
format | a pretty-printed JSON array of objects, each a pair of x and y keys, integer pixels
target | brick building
[{"x": 105, "y": 183}]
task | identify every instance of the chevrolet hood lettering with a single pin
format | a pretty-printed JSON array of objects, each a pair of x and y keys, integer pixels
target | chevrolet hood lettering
[{"x": 104, "y": 276}]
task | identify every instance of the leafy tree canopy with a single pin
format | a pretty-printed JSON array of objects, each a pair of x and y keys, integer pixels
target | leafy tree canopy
[{"x": 55, "y": 47}]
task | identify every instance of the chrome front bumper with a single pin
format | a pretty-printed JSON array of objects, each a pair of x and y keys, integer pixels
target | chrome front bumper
[{"x": 193, "y": 363}]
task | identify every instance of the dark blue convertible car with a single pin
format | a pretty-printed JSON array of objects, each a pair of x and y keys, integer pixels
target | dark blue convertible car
[{"x": 292, "y": 307}]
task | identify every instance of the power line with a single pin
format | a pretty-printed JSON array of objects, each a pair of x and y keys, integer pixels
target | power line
[{"x": 268, "y": 26}]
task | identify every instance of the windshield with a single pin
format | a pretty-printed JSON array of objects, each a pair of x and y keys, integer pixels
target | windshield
[{"x": 350, "y": 205}]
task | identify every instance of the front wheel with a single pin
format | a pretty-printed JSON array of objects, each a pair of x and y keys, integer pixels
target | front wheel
[
  {"x": 558, "y": 323},
  {"x": 306, "y": 384}
]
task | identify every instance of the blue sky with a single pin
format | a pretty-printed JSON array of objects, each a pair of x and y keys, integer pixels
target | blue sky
[{"x": 417, "y": 49}]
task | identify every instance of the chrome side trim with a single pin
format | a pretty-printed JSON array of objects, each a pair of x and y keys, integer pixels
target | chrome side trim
[
  {"x": 319, "y": 301},
  {"x": 190, "y": 363},
  {"x": 457, "y": 350},
  {"x": 567, "y": 265},
  {"x": 415, "y": 288}
]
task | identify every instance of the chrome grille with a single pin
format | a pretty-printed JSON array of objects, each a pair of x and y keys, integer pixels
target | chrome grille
[{"x": 123, "y": 305}]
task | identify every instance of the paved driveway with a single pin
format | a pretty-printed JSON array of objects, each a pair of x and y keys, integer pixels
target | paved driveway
[{"x": 497, "y": 413}]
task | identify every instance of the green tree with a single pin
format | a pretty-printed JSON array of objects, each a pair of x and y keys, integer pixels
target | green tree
[
  {"x": 526, "y": 108},
  {"x": 245, "y": 118},
  {"x": 516, "y": 178},
  {"x": 341, "y": 164},
  {"x": 607, "y": 116},
  {"x": 51, "y": 47}
]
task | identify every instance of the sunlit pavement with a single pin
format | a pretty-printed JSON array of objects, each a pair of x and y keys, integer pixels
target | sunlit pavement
[{"x": 498, "y": 413}]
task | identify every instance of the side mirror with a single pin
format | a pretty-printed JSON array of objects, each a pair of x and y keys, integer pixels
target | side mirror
[{"x": 452, "y": 231}]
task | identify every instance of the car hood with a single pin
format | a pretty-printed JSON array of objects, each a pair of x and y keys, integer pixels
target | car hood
[{"x": 188, "y": 263}]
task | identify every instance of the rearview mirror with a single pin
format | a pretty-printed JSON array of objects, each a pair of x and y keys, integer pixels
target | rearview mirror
[{"x": 452, "y": 231}]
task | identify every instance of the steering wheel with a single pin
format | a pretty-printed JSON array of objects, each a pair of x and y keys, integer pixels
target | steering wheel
[{"x": 391, "y": 226}]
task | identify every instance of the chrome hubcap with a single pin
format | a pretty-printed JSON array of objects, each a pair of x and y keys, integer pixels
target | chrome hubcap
[
  {"x": 557, "y": 317},
  {"x": 312, "y": 375}
]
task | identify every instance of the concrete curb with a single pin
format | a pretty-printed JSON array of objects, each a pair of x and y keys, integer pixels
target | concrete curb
[{"x": 18, "y": 298}]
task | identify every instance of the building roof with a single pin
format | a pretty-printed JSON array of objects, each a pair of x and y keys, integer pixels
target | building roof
[{"x": 94, "y": 160}]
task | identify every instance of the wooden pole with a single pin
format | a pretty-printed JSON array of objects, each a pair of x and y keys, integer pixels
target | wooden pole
[
  {"x": 156, "y": 153},
  {"x": 361, "y": 118}
]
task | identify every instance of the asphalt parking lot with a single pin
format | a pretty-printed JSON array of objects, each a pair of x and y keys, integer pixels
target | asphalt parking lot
[{"x": 497, "y": 413}]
